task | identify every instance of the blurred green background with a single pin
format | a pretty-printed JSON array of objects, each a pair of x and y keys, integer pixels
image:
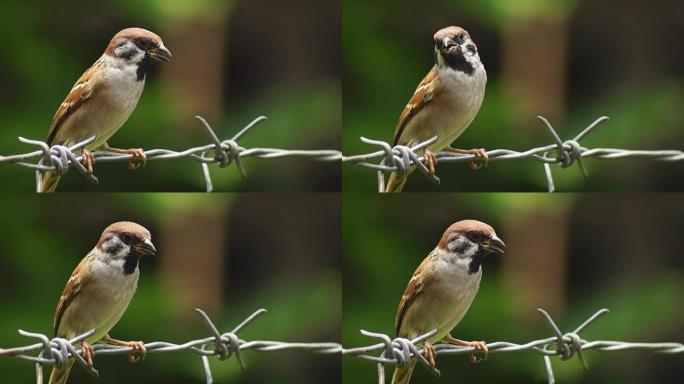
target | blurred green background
[
  {"x": 226, "y": 254},
  {"x": 570, "y": 254},
  {"x": 568, "y": 60},
  {"x": 232, "y": 61}
]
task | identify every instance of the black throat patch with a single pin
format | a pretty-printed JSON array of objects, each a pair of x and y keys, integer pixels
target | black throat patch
[
  {"x": 476, "y": 262},
  {"x": 130, "y": 263},
  {"x": 143, "y": 66},
  {"x": 458, "y": 62}
]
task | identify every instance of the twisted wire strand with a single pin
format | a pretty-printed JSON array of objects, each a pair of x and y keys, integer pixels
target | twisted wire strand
[
  {"x": 397, "y": 351},
  {"x": 565, "y": 346},
  {"x": 400, "y": 158},
  {"x": 60, "y": 159}
]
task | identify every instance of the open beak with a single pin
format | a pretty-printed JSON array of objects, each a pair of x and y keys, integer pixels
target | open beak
[
  {"x": 160, "y": 53},
  {"x": 494, "y": 245},
  {"x": 146, "y": 248}
]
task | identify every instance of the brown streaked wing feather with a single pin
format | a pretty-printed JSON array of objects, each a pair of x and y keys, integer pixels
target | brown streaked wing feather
[
  {"x": 71, "y": 291},
  {"x": 413, "y": 290},
  {"x": 420, "y": 98},
  {"x": 80, "y": 92}
]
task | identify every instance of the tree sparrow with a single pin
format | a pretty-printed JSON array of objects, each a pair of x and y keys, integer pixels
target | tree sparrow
[
  {"x": 442, "y": 289},
  {"x": 99, "y": 290},
  {"x": 445, "y": 102},
  {"x": 104, "y": 97}
]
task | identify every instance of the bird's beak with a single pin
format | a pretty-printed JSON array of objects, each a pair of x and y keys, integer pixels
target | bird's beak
[
  {"x": 494, "y": 245},
  {"x": 146, "y": 248},
  {"x": 160, "y": 53},
  {"x": 448, "y": 43}
]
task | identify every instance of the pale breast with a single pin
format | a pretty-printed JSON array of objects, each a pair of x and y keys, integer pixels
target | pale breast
[
  {"x": 443, "y": 303},
  {"x": 101, "y": 303},
  {"x": 107, "y": 110},
  {"x": 454, "y": 106}
]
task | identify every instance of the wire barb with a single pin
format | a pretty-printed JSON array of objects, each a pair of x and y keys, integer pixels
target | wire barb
[{"x": 562, "y": 153}]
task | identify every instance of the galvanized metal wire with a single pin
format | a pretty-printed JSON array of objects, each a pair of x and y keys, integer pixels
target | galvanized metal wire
[
  {"x": 397, "y": 351},
  {"x": 563, "y": 153},
  {"x": 60, "y": 159},
  {"x": 564, "y": 346},
  {"x": 56, "y": 351},
  {"x": 398, "y": 158}
]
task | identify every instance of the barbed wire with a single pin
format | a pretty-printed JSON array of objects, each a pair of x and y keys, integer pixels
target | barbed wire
[
  {"x": 400, "y": 158},
  {"x": 399, "y": 351},
  {"x": 56, "y": 351},
  {"x": 60, "y": 159}
]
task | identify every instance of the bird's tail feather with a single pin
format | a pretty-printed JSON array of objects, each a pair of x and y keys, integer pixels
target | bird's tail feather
[
  {"x": 47, "y": 182},
  {"x": 403, "y": 375},
  {"x": 60, "y": 375}
]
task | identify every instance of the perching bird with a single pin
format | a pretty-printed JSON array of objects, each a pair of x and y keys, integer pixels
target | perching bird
[
  {"x": 445, "y": 102},
  {"x": 99, "y": 291},
  {"x": 104, "y": 97},
  {"x": 442, "y": 289}
]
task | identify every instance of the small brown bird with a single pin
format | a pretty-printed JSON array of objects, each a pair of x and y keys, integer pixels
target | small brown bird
[
  {"x": 442, "y": 289},
  {"x": 99, "y": 291},
  {"x": 445, "y": 102},
  {"x": 104, "y": 97}
]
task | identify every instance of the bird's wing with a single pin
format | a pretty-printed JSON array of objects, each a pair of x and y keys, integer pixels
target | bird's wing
[
  {"x": 71, "y": 292},
  {"x": 420, "y": 98},
  {"x": 413, "y": 290},
  {"x": 81, "y": 91}
]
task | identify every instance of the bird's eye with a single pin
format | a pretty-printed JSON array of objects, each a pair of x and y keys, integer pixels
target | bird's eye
[
  {"x": 477, "y": 236},
  {"x": 126, "y": 238}
]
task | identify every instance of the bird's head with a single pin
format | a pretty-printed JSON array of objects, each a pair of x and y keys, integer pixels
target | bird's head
[
  {"x": 468, "y": 242},
  {"x": 456, "y": 50},
  {"x": 126, "y": 239},
  {"x": 137, "y": 45}
]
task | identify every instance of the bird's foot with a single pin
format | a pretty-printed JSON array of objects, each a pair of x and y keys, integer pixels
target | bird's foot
[
  {"x": 481, "y": 159},
  {"x": 430, "y": 354},
  {"x": 88, "y": 160},
  {"x": 138, "y": 346},
  {"x": 480, "y": 346},
  {"x": 137, "y": 153},
  {"x": 430, "y": 161},
  {"x": 88, "y": 353}
]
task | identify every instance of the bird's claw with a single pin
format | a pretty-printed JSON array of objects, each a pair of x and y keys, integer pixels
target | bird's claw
[
  {"x": 430, "y": 161},
  {"x": 88, "y": 161},
  {"x": 430, "y": 354},
  {"x": 481, "y": 347},
  {"x": 138, "y": 154},
  {"x": 138, "y": 346},
  {"x": 479, "y": 153},
  {"x": 87, "y": 352}
]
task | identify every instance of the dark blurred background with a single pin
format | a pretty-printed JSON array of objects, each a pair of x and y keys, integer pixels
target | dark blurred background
[
  {"x": 570, "y": 254},
  {"x": 568, "y": 60},
  {"x": 232, "y": 61},
  {"x": 226, "y": 254}
]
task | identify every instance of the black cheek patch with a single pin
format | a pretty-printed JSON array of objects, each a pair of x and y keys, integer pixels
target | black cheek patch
[
  {"x": 113, "y": 249},
  {"x": 130, "y": 263}
]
